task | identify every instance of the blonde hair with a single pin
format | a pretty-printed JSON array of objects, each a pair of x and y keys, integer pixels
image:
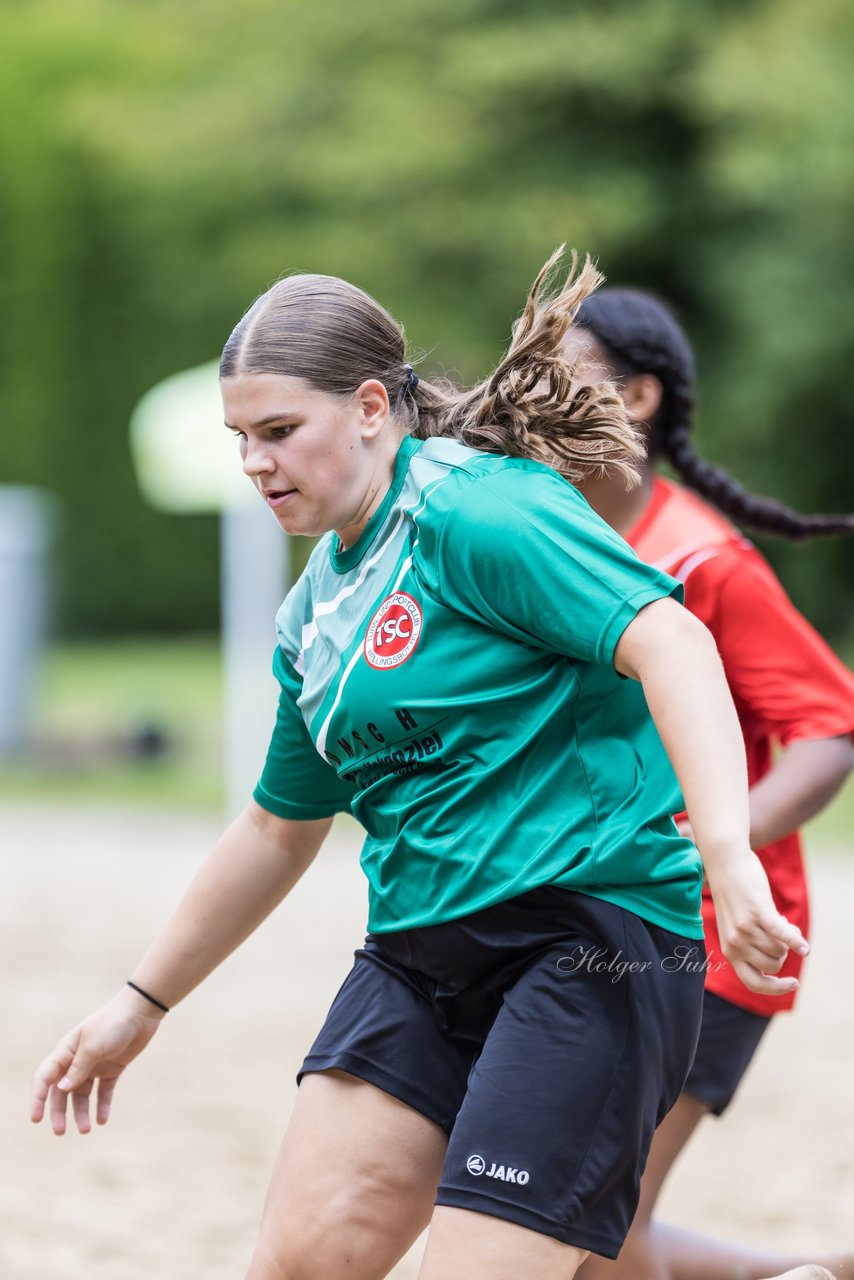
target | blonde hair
[{"x": 534, "y": 405}]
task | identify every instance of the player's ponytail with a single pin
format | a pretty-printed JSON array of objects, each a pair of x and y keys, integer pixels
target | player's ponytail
[
  {"x": 535, "y": 404},
  {"x": 640, "y": 335}
]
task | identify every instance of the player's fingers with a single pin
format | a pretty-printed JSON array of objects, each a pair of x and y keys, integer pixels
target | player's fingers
[
  {"x": 83, "y": 1066},
  {"x": 770, "y": 942},
  {"x": 766, "y": 942},
  {"x": 106, "y": 1089},
  {"x": 790, "y": 936},
  {"x": 754, "y": 947},
  {"x": 80, "y": 1104},
  {"x": 48, "y": 1073},
  {"x": 764, "y": 960},
  {"x": 58, "y": 1106},
  {"x": 764, "y": 983}
]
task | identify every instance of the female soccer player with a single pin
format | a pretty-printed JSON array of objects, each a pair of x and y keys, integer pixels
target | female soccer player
[
  {"x": 789, "y": 691},
  {"x": 477, "y": 667}
]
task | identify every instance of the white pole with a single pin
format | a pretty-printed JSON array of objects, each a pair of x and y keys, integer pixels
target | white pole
[
  {"x": 26, "y": 517},
  {"x": 254, "y": 578}
]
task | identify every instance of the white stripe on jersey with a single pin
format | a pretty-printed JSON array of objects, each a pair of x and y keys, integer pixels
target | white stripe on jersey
[
  {"x": 685, "y": 570},
  {"x": 324, "y": 729},
  {"x": 404, "y": 568},
  {"x": 690, "y": 556},
  {"x": 324, "y": 607},
  {"x": 679, "y": 553},
  {"x": 329, "y": 615}
]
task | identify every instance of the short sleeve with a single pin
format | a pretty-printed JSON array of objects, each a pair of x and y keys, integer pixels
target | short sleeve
[
  {"x": 775, "y": 662},
  {"x": 296, "y": 782},
  {"x": 527, "y": 554}
]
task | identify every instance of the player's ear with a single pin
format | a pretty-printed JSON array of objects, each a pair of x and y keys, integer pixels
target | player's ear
[
  {"x": 642, "y": 396},
  {"x": 373, "y": 404}
]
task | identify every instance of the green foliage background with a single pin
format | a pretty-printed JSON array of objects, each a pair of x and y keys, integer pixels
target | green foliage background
[{"x": 161, "y": 164}]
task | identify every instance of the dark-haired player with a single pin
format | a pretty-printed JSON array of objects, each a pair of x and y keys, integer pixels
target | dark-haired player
[{"x": 790, "y": 691}]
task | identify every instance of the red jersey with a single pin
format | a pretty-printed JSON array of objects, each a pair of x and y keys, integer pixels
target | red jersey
[{"x": 786, "y": 684}]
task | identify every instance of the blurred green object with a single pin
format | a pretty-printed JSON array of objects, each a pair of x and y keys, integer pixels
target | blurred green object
[{"x": 153, "y": 186}]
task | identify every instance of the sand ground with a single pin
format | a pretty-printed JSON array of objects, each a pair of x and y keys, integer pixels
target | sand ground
[{"x": 173, "y": 1186}]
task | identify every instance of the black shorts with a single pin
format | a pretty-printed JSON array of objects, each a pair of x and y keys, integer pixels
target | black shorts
[
  {"x": 729, "y": 1037},
  {"x": 548, "y": 1036}
]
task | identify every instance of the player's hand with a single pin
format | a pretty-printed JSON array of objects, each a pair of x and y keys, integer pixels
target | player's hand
[
  {"x": 754, "y": 937},
  {"x": 98, "y": 1049}
]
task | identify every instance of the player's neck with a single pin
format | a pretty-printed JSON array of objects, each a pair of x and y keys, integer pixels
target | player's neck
[{"x": 620, "y": 507}]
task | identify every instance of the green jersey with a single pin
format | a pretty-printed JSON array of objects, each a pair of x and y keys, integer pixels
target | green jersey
[{"x": 450, "y": 680}]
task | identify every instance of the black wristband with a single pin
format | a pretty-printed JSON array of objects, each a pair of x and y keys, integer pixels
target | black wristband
[{"x": 146, "y": 996}]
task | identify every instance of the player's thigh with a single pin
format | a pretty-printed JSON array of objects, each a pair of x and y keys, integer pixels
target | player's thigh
[
  {"x": 353, "y": 1184},
  {"x": 670, "y": 1139}
]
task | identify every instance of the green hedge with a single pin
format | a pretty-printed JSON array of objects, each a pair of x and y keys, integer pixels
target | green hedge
[{"x": 162, "y": 164}]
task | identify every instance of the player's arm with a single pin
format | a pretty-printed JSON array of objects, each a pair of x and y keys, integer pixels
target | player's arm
[
  {"x": 785, "y": 676},
  {"x": 252, "y": 867},
  {"x": 803, "y": 781},
  {"x": 675, "y": 659}
]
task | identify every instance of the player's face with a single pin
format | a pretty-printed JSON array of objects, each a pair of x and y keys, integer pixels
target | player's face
[{"x": 319, "y": 461}]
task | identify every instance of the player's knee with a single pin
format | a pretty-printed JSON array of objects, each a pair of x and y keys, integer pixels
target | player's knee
[
  {"x": 293, "y": 1253},
  {"x": 283, "y": 1262},
  {"x": 331, "y": 1227}
]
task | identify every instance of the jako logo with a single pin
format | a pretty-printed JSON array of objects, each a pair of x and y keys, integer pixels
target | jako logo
[
  {"x": 504, "y": 1173},
  {"x": 393, "y": 631}
]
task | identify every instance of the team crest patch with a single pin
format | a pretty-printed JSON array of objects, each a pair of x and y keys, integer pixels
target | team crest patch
[{"x": 393, "y": 631}]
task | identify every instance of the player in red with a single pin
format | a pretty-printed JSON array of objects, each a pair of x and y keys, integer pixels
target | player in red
[{"x": 790, "y": 692}]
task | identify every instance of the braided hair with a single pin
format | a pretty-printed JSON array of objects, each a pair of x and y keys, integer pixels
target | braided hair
[{"x": 640, "y": 335}]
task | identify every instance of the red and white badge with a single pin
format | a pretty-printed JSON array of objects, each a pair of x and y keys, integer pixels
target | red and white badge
[{"x": 393, "y": 631}]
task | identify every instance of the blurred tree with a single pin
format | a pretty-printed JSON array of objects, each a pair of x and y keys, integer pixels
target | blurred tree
[
  {"x": 774, "y": 95},
  {"x": 163, "y": 164}
]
